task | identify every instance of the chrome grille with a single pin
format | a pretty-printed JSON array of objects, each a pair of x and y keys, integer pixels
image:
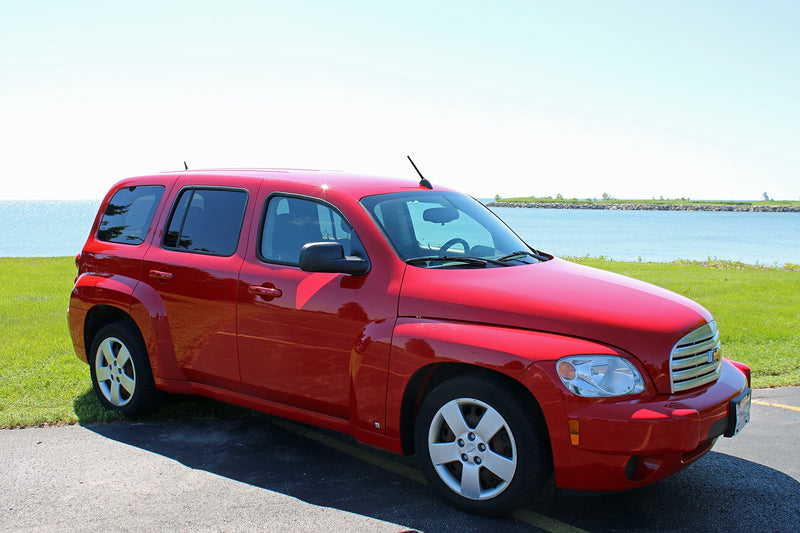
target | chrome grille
[{"x": 696, "y": 359}]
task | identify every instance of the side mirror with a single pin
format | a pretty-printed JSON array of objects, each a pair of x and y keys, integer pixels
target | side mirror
[{"x": 329, "y": 257}]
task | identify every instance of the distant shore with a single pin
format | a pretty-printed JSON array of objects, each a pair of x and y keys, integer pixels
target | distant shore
[{"x": 636, "y": 206}]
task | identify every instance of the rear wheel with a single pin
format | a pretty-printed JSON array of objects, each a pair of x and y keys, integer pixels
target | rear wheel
[
  {"x": 481, "y": 445},
  {"x": 120, "y": 370}
]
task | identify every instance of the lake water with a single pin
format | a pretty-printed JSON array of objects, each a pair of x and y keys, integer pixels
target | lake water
[
  {"x": 59, "y": 228},
  {"x": 45, "y": 228},
  {"x": 763, "y": 238}
]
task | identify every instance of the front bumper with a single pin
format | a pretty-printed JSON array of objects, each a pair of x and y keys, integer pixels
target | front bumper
[{"x": 619, "y": 443}]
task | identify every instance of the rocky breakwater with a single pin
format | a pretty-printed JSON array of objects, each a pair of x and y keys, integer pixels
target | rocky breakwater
[{"x": 651, "y": 207}]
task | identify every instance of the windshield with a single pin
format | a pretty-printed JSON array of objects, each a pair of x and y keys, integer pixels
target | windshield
[{"x": 440, "y": 229}]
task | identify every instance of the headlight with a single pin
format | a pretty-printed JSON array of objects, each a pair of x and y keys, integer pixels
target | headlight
[{"x": 599, "y": 375}]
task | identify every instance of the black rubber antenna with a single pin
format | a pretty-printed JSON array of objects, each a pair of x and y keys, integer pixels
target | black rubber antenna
[
  {"x": 185, "y": 166},
  {"x": 422, "y": 182}
]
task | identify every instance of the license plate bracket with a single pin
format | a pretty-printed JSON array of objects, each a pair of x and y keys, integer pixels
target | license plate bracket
[{"x": 739, "y": 413}]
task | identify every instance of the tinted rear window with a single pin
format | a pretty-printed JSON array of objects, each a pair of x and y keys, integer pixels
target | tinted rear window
[
  {"x": 129, "y": 213},
  {"x": 206, "y": 221}
]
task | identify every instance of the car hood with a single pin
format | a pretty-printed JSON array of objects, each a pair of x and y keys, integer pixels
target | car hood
[{"x": 559, "y": 297}]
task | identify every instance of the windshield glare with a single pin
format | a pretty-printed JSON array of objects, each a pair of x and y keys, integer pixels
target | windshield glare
[{"x": 427, "y": 224}]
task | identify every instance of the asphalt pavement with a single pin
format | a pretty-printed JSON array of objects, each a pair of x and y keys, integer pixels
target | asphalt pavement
[{"x": 263, "y": 473}]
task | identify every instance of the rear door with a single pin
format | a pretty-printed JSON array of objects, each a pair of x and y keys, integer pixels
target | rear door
[{"x": 194, "y": 270}]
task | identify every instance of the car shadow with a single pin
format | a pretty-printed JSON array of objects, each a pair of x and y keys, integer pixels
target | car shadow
[
  {"x": 719, "y": 493},
  {"x": 259, "y": 451}
]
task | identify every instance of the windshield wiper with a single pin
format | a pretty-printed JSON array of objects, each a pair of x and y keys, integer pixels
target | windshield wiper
[
  {"x": 523, "y": 253},
  {"x": 466, "y": 259}
]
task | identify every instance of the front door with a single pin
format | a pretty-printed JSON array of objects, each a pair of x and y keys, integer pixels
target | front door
[{"x": 301, "y": 333}]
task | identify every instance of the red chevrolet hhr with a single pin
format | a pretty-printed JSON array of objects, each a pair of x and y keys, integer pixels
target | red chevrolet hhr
[{"x": 407, "y": 315}]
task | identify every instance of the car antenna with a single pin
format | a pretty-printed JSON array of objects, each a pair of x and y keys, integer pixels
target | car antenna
[
  {"x": 185, "y": 166},
  {"x": 423, "y": 182}
]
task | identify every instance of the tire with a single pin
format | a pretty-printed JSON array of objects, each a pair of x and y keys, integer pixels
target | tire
[
  {"x": 120, "y": 368},
  {"x": 484, "y": 448}
]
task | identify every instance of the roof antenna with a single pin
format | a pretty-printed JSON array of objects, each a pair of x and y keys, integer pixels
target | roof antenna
[
  {"x": 422, "y": 182},
  {"x": 185, "y": 166}
]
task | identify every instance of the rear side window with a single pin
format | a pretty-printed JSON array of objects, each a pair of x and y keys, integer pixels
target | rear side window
[
  {"x": 291, "y": 222},
  {"x": 129, "y": 213},
  {"x": 206, "y": 221}
]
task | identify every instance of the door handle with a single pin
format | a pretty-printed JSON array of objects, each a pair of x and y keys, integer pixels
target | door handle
[
  {"x": 265, "y": 292},
  {"x": 160, "y": 275}
]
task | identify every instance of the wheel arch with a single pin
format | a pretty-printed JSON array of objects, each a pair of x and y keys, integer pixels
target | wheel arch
[
  {"x": 146, "y": 314},
  {"x": 427, "y": 378},
  {"x": 101, "y": 315}
]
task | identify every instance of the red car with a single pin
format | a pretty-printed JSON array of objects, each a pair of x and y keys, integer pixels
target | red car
[{"x": 407, "y": 315}]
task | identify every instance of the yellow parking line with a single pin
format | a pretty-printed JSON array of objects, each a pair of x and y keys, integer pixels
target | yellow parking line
[
  {"x": 544, "y": 522},
  {"x": 782, "y": 406},
  {"x": 523, "y": 515}
]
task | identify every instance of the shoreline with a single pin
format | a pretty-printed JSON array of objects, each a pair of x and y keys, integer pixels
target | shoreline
[{"x": 651, "y": 207}]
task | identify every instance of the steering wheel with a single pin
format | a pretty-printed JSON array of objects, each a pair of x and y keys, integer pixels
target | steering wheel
[{"x": 451, "y": 242}]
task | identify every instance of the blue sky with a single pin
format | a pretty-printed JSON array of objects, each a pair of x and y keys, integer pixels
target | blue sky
[{"x": 635, "y": 99}]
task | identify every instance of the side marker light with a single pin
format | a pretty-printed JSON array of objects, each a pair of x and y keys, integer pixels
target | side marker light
[{"x": 574, "y": 432}]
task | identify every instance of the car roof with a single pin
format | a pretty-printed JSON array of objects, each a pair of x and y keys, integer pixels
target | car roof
[{"x": 355, "y": 185}]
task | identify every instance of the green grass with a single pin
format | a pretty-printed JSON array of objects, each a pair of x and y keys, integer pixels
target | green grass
[
  {"x": 43, "y": 382},
  {"x": 39, "y": 374},
  {"x": 41, "y": 379}
]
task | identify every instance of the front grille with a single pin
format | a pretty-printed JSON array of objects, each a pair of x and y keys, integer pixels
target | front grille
[{"x": 696, "y": 360}]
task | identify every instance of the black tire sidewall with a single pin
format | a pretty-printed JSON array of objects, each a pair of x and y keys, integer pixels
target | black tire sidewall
[
  {"x": 528, "y": 431},
  {"x": 145, "y": 396}
]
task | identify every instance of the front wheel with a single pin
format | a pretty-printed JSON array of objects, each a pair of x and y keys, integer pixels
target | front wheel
[
  {"x": 120, "y": 370},
  {"x": 481, "y": 446}
]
